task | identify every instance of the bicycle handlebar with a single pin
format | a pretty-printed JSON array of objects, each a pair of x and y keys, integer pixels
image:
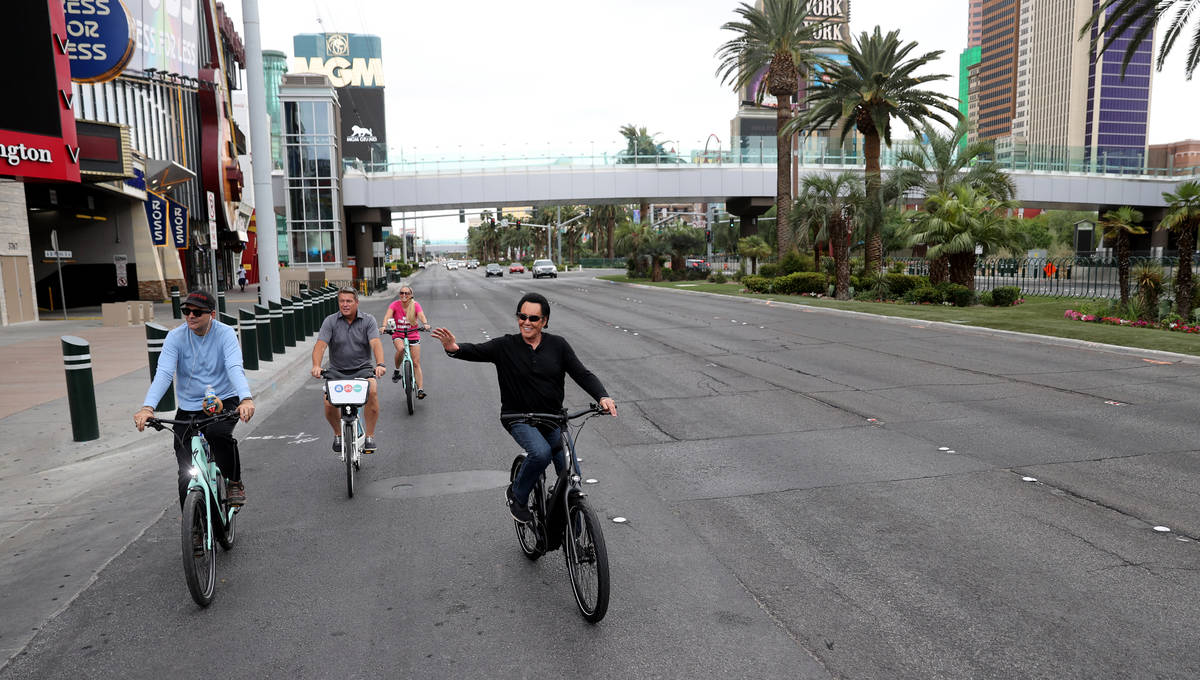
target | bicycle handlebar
[
  {"x": 161, "y": 423},
  {"x": 562, "y": 417}
]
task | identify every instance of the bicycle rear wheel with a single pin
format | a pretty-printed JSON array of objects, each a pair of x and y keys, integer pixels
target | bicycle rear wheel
[
  {"x": 349, "y": 450},
  {"x": 225, "y": 528},
  {"x": 199, "y": 564},
  {"x": 408, "y": 386},
  {"x": 587, "y": 559},
  {"x": 528, "y": 532}
]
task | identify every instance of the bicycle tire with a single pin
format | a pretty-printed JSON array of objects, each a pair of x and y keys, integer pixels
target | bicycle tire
[
  {"x": 200, "y": 572},
  {"x": 408, "y": 385},
  {"x": 527, "y": 532},
  {"x": 349, "y": 442},
  {"x": 587, "y": 559},
  {"x": 226, "y": 527}
]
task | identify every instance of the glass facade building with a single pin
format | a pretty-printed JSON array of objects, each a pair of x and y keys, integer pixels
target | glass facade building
[
  {"x": 312, "y": 177},
  {"x": 1118, "y": 106}
]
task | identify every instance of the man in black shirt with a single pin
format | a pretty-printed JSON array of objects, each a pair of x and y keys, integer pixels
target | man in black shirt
[{"x": 531, "y": 367}]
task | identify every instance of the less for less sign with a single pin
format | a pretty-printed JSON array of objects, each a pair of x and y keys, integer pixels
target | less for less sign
[{"x": 100, "y": 39}]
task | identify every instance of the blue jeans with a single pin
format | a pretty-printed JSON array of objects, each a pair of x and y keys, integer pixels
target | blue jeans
[{"x": 537, "y": 444}]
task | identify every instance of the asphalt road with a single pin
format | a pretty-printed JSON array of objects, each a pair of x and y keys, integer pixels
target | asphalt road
[{"x": 810, "y": 494}]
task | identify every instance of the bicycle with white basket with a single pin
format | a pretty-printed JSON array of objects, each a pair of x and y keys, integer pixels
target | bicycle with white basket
[{"x": 349, "y": 395}]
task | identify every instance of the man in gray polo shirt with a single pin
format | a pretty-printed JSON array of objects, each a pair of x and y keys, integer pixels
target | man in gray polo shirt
[{"x": 353, "y": 341}]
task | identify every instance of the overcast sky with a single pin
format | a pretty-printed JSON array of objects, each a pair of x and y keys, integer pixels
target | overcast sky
[{"x": 567, "y": 74}]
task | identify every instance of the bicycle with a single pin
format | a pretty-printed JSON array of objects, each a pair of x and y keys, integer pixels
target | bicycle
[
  {"x": 406, "y": 364},
  {"x": 205, "y": 500},
  {"x": 349, "y": 395},
  {"x": 563, "y": 517}
]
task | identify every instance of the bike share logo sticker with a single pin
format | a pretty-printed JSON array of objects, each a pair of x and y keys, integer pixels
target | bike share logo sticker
[
  {"x": 347, "y": 388},
  {"x": 361, "y": 134}
]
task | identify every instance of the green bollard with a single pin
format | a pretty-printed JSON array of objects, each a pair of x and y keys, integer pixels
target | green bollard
[
  {"x": 262, "y": 319},
  {"x": 289, "y": 322},
  {"x": 276, "y": 315},
  {"x": 156, "y": 335},
  {"x": 310, "y": 309},
  {"x": 249, "y": 332},
  {"x": 303, "y": 314},
  {"x": 299, "y": 332},
  {"x": 176, "y": 313},
  {"x": 81, "y": 391},
  {"x": 221, "y": 301}
]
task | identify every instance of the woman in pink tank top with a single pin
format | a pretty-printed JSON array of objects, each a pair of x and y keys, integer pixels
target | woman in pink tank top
[{"x": 405, "y": 312}]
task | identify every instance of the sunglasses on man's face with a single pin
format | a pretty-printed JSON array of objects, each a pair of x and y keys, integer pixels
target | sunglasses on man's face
[
  {"x": 192, "y": 311},
  {"x": 532, "y": 318}
]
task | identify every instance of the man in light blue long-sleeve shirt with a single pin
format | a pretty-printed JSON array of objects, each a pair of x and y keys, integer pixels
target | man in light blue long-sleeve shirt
[{"x": 200, "y": 353}]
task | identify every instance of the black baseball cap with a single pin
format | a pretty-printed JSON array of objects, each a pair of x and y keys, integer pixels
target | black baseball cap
[{"x": 201, "y": 299}]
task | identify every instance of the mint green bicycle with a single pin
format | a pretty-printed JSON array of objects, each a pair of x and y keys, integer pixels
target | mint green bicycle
[
  {"x": 406, "y": 364},
  {"x": 207, "y": 515}
]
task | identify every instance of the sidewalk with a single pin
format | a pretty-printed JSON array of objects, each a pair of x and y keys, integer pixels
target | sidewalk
[{"x": 66, "y": 507}]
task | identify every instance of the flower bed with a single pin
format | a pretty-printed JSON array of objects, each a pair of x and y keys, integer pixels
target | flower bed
[{"x": 1138, "y": 323}]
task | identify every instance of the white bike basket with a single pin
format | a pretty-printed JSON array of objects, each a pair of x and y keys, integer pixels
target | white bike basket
[{"x": 347, "y": 392}]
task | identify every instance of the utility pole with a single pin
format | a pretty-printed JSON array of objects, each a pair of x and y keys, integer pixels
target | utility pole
[{"x": 260, "y": 148}]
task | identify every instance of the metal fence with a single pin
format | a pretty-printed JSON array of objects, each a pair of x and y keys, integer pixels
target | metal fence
[{"x": 1074, "y": 277}]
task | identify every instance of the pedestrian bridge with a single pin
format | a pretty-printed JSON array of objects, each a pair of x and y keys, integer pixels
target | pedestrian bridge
[{"x": 440, "y": 183}]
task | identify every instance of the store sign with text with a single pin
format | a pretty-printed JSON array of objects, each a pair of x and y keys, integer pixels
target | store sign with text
[
  {"x": 156, "y": 215},
  {"x": 100, "y": 39},
  {"x": 177, "y": 219}
]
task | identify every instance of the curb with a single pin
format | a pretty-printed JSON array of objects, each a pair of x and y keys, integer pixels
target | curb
[{"x": 1047, "y": 339}]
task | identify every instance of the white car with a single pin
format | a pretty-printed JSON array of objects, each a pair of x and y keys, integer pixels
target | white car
[
  {"x": 542, "y": 268},
  {"x": 451, "y": 265}
]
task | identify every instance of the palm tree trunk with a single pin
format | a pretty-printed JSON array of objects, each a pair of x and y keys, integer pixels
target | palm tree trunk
[
  {"x": 962, "y": 269},
  {"x": 874, "y": 251},
  {"x": 612, "y": 231},
  {"x": 783, "y": 176},
  {"x": 655, "y": 268},
  {"x": 938, "y": 270},
  {"x": 1123, "y": 266},
  {"x": 644, "y": 208},
  {"x": 1183, "y": 273},
  {"x": 841, "y": 258}
]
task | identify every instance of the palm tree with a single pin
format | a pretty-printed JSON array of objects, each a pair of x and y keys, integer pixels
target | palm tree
[
  {"x": 643, "y": 147},
  {"x": 941, "y": 162},
  {"x": 776, "y": 40},
  {"x": 753, "y": 247},
  {"x": 604, "y": 221},
  {"x": 875, "y": 85},
  {"x": 833, "y": 204},
  {"x": 1141, "y": 17},
  {"x": 953, "y": 223},
  {"x": 683, "y": 240},
  {"x": 1118, "y": 225},
  {"x": 1183, "y": 217}
]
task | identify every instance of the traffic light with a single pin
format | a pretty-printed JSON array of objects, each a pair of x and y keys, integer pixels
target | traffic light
[
  {"x": 708, "y": 235},
  {"x": 518, "y": 223},
  {"x": 462, "y": 215}
]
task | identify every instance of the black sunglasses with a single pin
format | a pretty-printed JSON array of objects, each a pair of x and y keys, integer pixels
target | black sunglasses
[
  {"x": 192, "y": 311},
  {"x": 529, "y": 317}
]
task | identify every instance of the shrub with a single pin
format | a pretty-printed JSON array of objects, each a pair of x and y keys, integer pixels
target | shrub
[
  {"x": 828, "y": 265},
  {"x": 794, "y": 262},
  {"x": 985, "y": 298},
  {"x": 769, "y": 270},
  {"x": 1005, "y": 296},
  {"x": 923, "y": 293},
  {"x": 801, "y": 282},
  {"x": 959, "y": 295},
  {"x": 897, "y": 267},
  {"x": 757, "y": 284},
  {"x": 717, "y": 277},
  {"x": 899, "y": 284}
]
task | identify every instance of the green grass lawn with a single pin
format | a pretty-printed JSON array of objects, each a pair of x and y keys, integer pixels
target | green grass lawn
[{"x": 1040, "y": 315}]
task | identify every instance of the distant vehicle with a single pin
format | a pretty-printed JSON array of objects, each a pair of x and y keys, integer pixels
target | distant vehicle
[
  {"x": 451, "y": 265},
  {"x": 694, "y": 263},
  {"x": 516, "y": 268},
  {"x": 472, "y": 264},
  {"x": 493, "y": 269},
  {"x": 421, "y": 264},
  {"x": 542, "y": 268}
]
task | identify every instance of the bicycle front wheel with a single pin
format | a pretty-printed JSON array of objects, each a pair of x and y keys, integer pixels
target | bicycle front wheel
[
  {"x": 587, "y": 559},
  {"x": 349, "y": 451},
  {"x": 408, "y": 386},
  {"x": 199, "y": 558}
]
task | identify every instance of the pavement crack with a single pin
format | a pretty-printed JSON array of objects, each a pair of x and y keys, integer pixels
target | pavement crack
[{"x": 648, "y": 419}]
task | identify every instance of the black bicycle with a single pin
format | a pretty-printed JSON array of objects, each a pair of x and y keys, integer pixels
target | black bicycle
[
  {"x": 207, "y": 513},
  {"x": 562, "y": 518}
]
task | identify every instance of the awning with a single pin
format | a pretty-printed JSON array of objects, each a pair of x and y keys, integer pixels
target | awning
[{"x": 161, "y": 175}]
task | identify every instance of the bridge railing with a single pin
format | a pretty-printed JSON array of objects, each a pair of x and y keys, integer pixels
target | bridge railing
[
  {"x": 761, "y": 151},
  {"x": 1072, "y": 277}
]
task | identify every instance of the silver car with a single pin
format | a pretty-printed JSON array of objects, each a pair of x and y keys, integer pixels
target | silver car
[{"x": 542, "y": 268}]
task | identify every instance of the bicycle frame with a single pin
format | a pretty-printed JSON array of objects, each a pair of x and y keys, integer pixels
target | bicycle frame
[
  {"x": 204, "y": 471},
  {"x": 552, "y": 507}
]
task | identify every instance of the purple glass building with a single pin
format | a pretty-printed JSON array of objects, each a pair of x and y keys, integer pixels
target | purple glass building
[{"x": 1118, "y": 108}]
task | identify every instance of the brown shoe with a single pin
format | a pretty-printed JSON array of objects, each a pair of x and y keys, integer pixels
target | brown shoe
[{"x": 235, "y": 493}]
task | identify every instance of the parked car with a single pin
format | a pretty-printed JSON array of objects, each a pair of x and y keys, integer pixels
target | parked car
[
  {"x": 694, "y": 263},
  {"x": 493, "y": 269},
  {"x": 421, "y": 264},
  {"x": 516, "y": 268},
  {"x": 542, "y": 268}
]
